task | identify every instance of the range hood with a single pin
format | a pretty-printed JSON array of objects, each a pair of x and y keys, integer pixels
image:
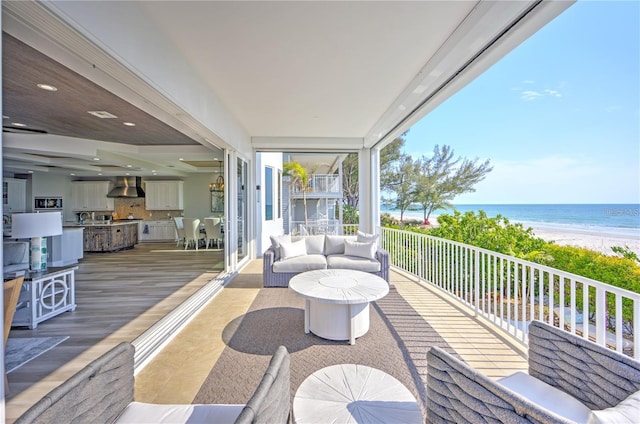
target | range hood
[{"x": 127, "y": 187}]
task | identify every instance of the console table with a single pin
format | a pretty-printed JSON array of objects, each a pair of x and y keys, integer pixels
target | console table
[{"x": 44, "y": 295}]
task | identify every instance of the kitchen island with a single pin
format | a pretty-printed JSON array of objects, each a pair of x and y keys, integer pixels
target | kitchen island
[{"x": 109, "y": 236}]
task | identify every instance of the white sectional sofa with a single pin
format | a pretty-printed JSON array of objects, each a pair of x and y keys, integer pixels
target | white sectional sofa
[{"x": 289, "y": 256}]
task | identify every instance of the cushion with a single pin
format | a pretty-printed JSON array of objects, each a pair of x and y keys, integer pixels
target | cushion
[
  {"x": 137, "y": 412},
  {"x": 15, "y": 253},
  {"x": 546, "y": 396},
  {"x": 301, "y": 264},
  {"x": 275, "y": 243},
  {"x": 363, "y": 250},
  {"x": 334, "y": 245},
  {"x": 366, "y": 238},
  {"x": 291, "y": 250},
  {"x": 626, "y": 412},
  {"x": 315, "y": 245},
  {"x": 355, "y": 263}
]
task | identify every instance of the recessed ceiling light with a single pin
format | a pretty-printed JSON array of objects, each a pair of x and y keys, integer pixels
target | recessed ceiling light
[
  {"x": 99, "y": 173},
  {"x": 102, "y": 114},
  {"x": 18, "y": 124},
  {"x": 127, "y": 173},
  {"x": 153, "y": 170},
  {"x": 129, "y": 124},
  {"x": 30, "y": 172},
  {"x": 181, "y": 159},
  {"x": 47, "y": 87},
  {"x": 5, "y": 117},
  {"x": 96, "y": 158},
  {"x": 72, "y": 174},
  {"x": 129, "y": 166}
]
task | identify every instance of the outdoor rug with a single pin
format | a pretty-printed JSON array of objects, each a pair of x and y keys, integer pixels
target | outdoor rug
[
  {"x": 19, "y": 351},
  {"x": 396, "y": 343}
]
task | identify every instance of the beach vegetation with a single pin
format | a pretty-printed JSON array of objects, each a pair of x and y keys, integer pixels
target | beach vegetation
[{"x": 625, "y": 252}]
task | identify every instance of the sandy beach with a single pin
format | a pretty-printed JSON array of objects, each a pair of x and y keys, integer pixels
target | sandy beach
[{"x": 599, "y": 241}]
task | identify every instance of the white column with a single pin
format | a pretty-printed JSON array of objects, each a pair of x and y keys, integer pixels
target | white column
[
  {"x": 341, "y": 201},
  {"x": 365, "y": 187},
  {"x": 369, "y": 189}
]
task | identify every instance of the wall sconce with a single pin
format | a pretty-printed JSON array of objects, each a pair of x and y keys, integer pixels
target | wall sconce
[{"x": 219, "y": 184}]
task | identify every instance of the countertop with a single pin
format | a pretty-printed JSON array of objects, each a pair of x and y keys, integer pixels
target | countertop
[{"x": 101, "y": 223}]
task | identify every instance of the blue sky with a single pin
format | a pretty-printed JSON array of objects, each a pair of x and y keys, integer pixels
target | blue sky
[{"x": 559, "y": 117}]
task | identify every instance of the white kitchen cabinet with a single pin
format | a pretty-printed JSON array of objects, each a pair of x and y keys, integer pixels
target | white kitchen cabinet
[
  {"x": 14, "y": 195},
  {"x": 164, "y": 195},
  {"x": 91, "y": 196},
  {"x": 157, "y": 231}
]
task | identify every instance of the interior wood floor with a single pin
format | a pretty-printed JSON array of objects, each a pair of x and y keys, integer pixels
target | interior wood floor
[{"x": 119, "y": 295}]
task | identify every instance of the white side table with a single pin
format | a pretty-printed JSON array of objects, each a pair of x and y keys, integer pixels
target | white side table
[
  {"x": 45, "y": 295},
  {"x": 337, "y": 301},
  {"x": 350, "y": 393}
]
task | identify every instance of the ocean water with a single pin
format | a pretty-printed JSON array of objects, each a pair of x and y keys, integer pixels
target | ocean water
[{"x": 622, "y": 219}]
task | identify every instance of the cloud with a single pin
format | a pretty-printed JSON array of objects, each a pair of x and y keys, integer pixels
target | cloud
[
  {"x": 552, "y": 93},
  {"x": 530, "y": 94}
]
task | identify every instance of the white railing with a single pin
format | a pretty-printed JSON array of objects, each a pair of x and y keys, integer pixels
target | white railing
[
  {"x": 509, "y": 292},
  {"x": 322, "y": 226},
  {"x": 321, "y": 183}
]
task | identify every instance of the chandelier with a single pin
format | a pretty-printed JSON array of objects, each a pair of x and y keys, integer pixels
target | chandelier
[{"x": 219, "y": 184}]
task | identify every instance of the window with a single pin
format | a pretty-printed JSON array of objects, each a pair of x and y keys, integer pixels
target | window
[{"x": 268, "y": 193}]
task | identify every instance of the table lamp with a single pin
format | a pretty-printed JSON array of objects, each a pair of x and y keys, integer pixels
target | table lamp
[{"x": 36, "y": 226}]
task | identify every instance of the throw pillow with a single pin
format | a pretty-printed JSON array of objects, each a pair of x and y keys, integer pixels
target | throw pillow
[
  {"x": 291, "y": 250},
  {"x": 275, "y": 242},
  {"x": 626, "y": 412},
  {"x": 334, "y": 245},
  {"x": 367, "y": 238},
  {"x": 315, "y": 245},
  {"x": 362, "y": 250}
]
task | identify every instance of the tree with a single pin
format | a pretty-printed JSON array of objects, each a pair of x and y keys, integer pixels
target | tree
[
  {"x": 300, "y": 178},
  {"x": 402, "y": 181},
  {"x": 441, "y": 178},
  {"x": 350, "y": 186},
  {"x": 390, "y": 158}
]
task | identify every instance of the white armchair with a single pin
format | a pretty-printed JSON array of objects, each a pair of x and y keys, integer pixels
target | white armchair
[
  {"x": 177, "y": 221},
  {"x": 213, "y": 231}
]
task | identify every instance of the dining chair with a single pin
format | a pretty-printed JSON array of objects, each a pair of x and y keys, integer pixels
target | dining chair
[
  {"x": 11, "y": 294},
  {"x": 213, "y": 231},
  {"x": 192, "y": 232},
  {"x": 177, "y": 221}
]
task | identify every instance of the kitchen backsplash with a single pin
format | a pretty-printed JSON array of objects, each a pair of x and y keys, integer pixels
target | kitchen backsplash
[{"x": 135, "y": 207}]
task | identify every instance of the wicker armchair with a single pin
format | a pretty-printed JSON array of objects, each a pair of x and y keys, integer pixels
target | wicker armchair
[{"x": 596, "y": 376}]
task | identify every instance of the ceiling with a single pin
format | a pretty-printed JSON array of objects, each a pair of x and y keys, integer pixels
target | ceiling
[{"x": 305, "y": 76}]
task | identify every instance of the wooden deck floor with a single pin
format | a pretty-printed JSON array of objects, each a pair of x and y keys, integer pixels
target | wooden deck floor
[{"x": 119, "y": 295}]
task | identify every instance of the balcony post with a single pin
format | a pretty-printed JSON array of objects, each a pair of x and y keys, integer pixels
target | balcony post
[
  {"x": 601, "y": 315},
  {"x": 369, "y": 182},
  {"x": 476, "y": 278}
]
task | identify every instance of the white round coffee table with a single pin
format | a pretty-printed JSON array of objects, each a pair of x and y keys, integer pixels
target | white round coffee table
[
  {"x": 350, "y": 393},
  {"x": 337, "y": 301}
]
